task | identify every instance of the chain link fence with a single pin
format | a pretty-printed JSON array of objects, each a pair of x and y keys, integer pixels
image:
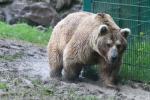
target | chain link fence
[{"x": 134, "y": 14}]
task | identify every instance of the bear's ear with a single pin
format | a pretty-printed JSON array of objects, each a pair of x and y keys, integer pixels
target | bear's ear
[
  {"x": 125, "y": 32},
  {"x": 103, "y": 29},
  {"x": 101, "y": 14}
]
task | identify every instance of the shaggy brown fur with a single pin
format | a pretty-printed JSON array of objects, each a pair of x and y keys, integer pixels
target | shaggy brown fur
[{"x": 85, "y": 39}]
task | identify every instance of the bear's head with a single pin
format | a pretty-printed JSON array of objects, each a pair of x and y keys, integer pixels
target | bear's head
[{"x": 110, "y": 43}]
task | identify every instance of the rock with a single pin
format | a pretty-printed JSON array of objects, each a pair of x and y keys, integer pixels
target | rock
[
  {"x": 60, "y": 4},
  {"x": 63, "y": 3},
  {"x": 12, "y": 12},
  {"x": 45, "y": 12},
  {"x": 2, "y": 17},
  {"x": 40, "y": 14},
  {"x": 47, "y": 1},
  {"x": 6, "y": 1},
  {"x": 74, "y": 8}
]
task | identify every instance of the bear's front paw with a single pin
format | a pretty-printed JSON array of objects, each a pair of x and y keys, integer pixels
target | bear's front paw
[{"x": 111, "y": 85}]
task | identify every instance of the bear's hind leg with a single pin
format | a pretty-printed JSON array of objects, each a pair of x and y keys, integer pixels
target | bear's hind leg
[
  {"x": 71, "y": 64},
  {"x": 55, "y": 62},
  {"x": 71, "y": 72},
  {"x": 55, "y": 72}
]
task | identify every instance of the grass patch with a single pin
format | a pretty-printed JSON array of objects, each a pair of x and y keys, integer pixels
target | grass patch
[
  {"x": 3, "y": 86},
  {"x": 11, "y": 57},
  {"x": 24, "y": 32},
  {"x": 75, "y": 97},
  {"x": 137, "y": 59}
]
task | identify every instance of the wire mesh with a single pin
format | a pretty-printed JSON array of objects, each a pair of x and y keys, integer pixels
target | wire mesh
[{"x": 134, "y": 14}]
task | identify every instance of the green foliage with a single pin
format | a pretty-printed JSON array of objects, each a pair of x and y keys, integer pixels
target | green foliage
[{"x": 24, "y": 32}]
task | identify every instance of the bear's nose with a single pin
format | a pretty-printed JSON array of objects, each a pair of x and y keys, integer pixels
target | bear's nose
[
  {"x": 113, "y": 59},
  {"x": 114, "y": 54}
]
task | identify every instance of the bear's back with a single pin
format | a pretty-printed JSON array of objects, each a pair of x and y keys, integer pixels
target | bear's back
[{"x": 65, "y": 29}]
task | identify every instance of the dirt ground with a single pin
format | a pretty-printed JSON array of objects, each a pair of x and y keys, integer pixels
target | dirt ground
[{"x": 24, "y": 71}]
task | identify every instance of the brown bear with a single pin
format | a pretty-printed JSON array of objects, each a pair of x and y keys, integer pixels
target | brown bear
[{"x": 85, "y": 39}]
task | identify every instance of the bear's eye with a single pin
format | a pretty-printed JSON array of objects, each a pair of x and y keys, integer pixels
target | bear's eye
[
  {"x": 107, "y": 22},
  {"x": 109, "y": 45},
  {"x": 118, "y": 46}
]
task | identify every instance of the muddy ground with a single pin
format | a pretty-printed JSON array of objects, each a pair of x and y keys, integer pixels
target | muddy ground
[{"x": 24, "y": 75}]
